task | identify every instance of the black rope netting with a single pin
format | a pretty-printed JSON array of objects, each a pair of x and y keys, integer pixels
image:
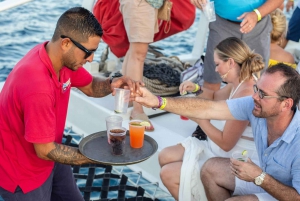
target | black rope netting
[
  {"x": 94, "y": 172},
  {"x": 162, "y": 72},
  {"x": 162, "y": 75}
]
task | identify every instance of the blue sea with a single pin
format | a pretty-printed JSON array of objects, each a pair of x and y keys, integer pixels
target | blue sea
[{"x": 32, "y": 23}]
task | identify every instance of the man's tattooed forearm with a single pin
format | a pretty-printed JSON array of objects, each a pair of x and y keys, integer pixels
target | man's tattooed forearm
[
  {"x": 100, "y": 87},
  {"x": 66, "y": 155}
]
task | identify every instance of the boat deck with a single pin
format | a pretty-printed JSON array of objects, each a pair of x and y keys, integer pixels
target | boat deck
[{"x": 87, "y": 116}]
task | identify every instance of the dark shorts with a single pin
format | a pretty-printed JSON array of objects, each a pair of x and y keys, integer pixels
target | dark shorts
[
  {"x": 60, "y": 186},
  {"x": 294, "y": 26},
  {"x": 258, "y": 40}
]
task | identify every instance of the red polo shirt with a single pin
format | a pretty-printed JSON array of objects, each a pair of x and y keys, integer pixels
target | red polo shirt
[{"x": 33, "y": 109}]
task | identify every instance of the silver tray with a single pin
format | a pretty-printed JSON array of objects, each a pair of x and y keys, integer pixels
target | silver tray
[{"x": 96, "y": 147}]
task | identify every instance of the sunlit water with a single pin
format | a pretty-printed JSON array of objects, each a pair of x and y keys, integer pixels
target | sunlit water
[{"x": 32, "y": 23}]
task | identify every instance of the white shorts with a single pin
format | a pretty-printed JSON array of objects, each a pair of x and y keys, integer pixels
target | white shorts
[{"x": 245, "y": 188}]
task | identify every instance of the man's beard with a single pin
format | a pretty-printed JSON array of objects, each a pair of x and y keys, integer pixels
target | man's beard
[{"x": 265, "y": 114}]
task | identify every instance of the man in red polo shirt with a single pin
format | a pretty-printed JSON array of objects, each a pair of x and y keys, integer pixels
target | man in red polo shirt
[{"x": 33, "y": 107}]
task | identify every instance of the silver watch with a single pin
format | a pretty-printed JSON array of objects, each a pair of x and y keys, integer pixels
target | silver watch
[{"x": 260, "y": 179}]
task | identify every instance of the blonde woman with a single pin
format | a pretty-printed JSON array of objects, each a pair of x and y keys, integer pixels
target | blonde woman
[
  {"x": 181, "y": 163},
  {"x": 277, "y": 53}
]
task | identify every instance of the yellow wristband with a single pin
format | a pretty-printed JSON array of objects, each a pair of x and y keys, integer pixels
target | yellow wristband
[
  {"x": 291, "y": 0},
  {"x": 258, "y": 14},
  {"x": 164, "y": 103},
  {"x": 197, "y": 88}
]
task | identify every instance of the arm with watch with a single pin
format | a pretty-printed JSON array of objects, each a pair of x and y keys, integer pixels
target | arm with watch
[{"x": 249, "y": 171}]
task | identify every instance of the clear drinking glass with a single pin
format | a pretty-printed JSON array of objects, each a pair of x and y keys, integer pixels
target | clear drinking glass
[
  {"x": 209, "y": 11},
  {"x": 238, "y": 155},
  {"x": 117, "y": 136},
  {"x": 113, "y": 121},
  {"x": 121, "y": 100}
]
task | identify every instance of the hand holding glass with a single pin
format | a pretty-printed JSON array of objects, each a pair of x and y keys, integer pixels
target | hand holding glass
[
  {"x": 121, "y": 100},
  {"x": 240, "y": 155}
]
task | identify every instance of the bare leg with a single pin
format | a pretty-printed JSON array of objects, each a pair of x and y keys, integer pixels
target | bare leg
[
  {"x": 217, "y": 179},
  {"x": 170, "y": 159},
  {"x": 212, "y": 86},
  {"x": 133, "y": 67},
  {"x": 171, "y": 154},
  {"x": 170, "y": 176}
]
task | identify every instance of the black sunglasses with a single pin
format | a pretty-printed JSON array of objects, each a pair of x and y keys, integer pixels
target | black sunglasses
[
  {"x": 262, "y": 95},
  {"x": 88, "y": 53}
]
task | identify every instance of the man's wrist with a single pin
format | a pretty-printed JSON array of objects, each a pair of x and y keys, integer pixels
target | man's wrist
[
  {"x": 162, "y": 102},
  {"x": 114, "y": 76}
]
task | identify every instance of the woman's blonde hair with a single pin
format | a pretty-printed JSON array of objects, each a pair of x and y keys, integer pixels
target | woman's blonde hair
[
  {"x": 249, "y": 61},
  {"x": 279, "y": 25}
]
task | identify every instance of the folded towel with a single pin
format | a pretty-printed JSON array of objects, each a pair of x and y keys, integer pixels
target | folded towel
[{"x": 196, "y": 153}]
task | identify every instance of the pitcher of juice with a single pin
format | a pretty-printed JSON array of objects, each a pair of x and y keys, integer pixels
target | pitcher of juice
[{"x": 136, "y": 133}]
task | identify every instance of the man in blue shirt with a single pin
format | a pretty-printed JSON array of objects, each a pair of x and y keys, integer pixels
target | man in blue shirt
[{"x": 275, "y": 121}]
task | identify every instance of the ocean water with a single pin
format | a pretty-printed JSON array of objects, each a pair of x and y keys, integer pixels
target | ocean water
[{"x": 32, "y": 23}]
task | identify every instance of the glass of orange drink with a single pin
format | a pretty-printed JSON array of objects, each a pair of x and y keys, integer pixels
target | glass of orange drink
[{"x": 136, "y": 133}]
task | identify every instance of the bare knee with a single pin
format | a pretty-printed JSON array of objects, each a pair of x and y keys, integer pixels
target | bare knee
[
  {"x": 206, "y": 169},
  {"x": 213, "y": 167},
  {"x": 171, "y": 154},
  {"x": 138, "y": 50},
  {"x": 162, "y": 158}
]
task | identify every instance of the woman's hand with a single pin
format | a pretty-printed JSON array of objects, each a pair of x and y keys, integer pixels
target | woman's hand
[
  {"x": 186, "y": 86},
  {"x": 126, "y": 83}
]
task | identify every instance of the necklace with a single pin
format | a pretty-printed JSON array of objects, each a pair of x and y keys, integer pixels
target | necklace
[{"x": 233, "y": 92}]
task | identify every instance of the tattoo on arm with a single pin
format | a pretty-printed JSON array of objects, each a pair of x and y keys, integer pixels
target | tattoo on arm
[
  {"x": 100, "y": 87},
  {"x": 67, "y": 155}
]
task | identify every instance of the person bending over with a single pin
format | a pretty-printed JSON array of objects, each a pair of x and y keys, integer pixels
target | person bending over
[{"x": 33, "y": 109}]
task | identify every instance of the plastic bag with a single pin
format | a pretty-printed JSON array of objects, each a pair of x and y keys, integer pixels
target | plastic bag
[{"x": 194, "y": 73}]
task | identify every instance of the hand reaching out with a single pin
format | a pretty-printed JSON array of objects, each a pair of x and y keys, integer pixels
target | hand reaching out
[
  {"x": 126, "y": 83},
  {"x": 186, "y": 86},
  {"x": 146, "y": 98}
]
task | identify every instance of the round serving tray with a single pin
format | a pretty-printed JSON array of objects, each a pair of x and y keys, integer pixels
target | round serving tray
[{"x": 96, "y": 147}]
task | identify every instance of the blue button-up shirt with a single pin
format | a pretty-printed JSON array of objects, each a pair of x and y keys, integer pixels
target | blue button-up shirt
[{"x": 281, "y": 159}]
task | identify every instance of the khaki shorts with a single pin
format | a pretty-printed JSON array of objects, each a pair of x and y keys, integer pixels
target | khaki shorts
[{"x": 140, "y": 20}]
